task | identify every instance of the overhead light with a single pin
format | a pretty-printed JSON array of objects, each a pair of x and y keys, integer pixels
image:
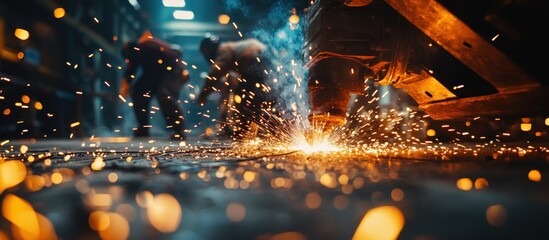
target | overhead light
[
  {"x": 183, "y": 15},
  {"x": 173, "y": 3},
  {"x": 135, "y": 4}
]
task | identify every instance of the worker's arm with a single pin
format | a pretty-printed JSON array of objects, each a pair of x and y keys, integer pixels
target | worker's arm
[
  {"x": 129, "y": 75},
  {"x": 220, "y": 67}
]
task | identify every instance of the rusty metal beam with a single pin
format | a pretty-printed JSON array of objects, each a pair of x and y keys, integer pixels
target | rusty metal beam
[
  {"x": 424, "y": 89},
  {"x": 462, "y": 42},
  {"x": 518, "y": 103}
]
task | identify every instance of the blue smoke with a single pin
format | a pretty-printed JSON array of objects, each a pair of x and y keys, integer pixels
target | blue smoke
[
  {"x": 234, "y": 5},
  {"x": 286, "y": 43}
]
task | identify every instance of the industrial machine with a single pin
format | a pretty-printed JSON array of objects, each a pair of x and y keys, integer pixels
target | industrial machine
[{"x": 456, "y": 59}]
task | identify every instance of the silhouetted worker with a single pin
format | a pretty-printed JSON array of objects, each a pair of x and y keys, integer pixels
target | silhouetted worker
[
  {"x": 228, "y": 84},
  {"x": 162, "y": 76},
  {"x": 251, "y": 59}
]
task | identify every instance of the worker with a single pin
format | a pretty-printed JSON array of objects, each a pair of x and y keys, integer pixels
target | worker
[
  {"x": 227, "y": 85},
  {"x": 251, "y": 60},
  {"x": 162, "y": 76}
]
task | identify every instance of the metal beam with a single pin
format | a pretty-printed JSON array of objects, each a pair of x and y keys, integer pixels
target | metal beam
[
  {"x": 462, "y": 42},
  {"x": 520, "y": 104}
]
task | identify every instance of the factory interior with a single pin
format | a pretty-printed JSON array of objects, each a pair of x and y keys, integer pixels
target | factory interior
[{"x": 274, "y": 119}]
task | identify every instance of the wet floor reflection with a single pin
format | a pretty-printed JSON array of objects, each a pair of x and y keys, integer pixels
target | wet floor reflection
[{"x": 162, "y": 190}]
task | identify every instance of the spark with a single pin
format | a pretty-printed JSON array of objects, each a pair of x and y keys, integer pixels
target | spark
[{"x": 122, "y": 98}]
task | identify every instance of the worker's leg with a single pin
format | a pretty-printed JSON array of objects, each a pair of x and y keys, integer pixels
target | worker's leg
[
  {"x": 141, "y": 97},
  {"x": 254, "y": 107},
  {"x": 168, "y": 97},
  {"x": 246, "y": 114}
]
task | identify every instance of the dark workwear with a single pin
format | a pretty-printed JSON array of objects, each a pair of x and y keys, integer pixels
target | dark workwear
[
  {"x": 162, "y": 76},
  {"x": 251, "y": 60}
]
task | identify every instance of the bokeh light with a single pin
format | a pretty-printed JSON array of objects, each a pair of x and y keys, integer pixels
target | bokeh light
[
  {"x": 22, "y": 34},
  {"x": 534, "y": 175},
  {"x": 380, "y": 223},
  {"x": 224, "y": 19},
  {"x": 464, "y": 184},
  {"x": 496, "y": 215},
  {"x": 59, "y": 12},
  {"x": 165, "y": 213}
]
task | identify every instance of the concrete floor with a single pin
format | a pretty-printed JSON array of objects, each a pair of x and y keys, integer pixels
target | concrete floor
[{"x": 218, "y": 190}]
